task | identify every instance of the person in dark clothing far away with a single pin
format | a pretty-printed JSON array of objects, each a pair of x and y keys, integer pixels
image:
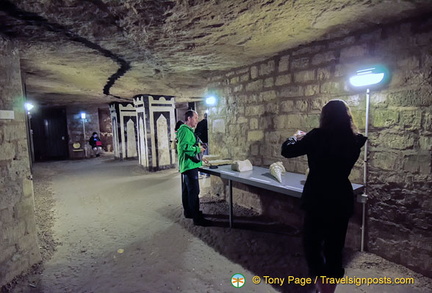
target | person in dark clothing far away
[
  {"x": 96, "y": 144},
  {"x": 202, "y": 132},
  {"x": 328, "y": 198}
]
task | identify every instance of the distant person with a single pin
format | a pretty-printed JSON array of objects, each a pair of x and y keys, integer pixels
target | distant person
[
  {"x": 202, "y": 132},
  {"x": 178, "y": 124},
  {"x": 188, "y": 148},
  {"x": 328, "y": 198},
  {"x": 96, "y": 144}
]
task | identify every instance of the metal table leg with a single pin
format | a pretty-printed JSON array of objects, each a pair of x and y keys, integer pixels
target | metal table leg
[{"x": 230, "y": 203}]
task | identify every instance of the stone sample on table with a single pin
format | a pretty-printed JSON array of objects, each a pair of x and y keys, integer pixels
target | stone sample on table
[
  {"x": 242, "y": 166},
  {"x": 277, "y": 169}
]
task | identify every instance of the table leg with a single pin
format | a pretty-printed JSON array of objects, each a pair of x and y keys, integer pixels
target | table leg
[{"x": 230, "y": 203}]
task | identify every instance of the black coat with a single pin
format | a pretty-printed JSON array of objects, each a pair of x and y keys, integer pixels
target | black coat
[
  {"x": 93, "y": 140},
  {"x": 331, "y": 156},
  {"x": 202, "y": 130}
]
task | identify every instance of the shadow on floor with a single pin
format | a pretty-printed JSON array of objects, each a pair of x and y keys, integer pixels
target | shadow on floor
[{"x": 258, "y": 244}]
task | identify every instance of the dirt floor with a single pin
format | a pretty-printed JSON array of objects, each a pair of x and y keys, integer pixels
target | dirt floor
[{"x": 109, "y": 226}]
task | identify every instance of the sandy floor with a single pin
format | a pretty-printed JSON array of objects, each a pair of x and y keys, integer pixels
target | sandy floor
[{"x": 109, "y": 226}]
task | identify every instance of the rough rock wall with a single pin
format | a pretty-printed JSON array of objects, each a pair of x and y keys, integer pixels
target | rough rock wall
[
  {"x": 18, "y": 245},
  {"x": 262, "y": 104}
]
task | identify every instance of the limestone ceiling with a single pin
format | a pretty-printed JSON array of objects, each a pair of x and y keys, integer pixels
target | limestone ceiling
[{"x": 97, "y": 51}]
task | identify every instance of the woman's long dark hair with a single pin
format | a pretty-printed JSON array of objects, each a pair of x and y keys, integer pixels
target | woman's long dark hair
[
  {"x": 178, "y": 124},
  {"x": 336, "y": 117}
]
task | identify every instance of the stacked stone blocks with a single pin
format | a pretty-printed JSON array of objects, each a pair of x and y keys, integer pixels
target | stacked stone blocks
[
  {"x": 266, "y": 102},
  {"x": 18, "y": 245}
]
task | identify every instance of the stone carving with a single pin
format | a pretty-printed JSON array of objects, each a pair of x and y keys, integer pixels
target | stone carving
[
  {"x": 131, "y": 140},
  {"x": 162, "y": 141},
  {"x": 143, "y": 159}
]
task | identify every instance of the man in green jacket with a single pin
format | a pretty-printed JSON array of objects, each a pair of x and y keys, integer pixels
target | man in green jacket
[{"x": 187, "y": 149}]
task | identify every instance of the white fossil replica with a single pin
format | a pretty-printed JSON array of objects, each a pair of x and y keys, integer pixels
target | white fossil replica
[
  {"x": 277, "y": 169},
  {"x": 242, "y": 166}
]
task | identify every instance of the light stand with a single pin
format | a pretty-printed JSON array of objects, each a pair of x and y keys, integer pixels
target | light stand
[
  {"x": 364, "y": 196},
  {"x": 375, "y": 76},
  {"x": 83, "y": 116},
  {"x": 29, "y": 106}
]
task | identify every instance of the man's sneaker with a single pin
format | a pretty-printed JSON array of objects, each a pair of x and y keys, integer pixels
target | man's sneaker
[
  {"x": 189, "y": 216},
  {"x": 202, "y": 222}
]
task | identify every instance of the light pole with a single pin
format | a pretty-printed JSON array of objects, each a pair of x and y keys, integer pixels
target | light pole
[
  {"x": 83, "y": 117},
  {"x": 29, "y": 106},
  {"x": 369, "y": 77}
]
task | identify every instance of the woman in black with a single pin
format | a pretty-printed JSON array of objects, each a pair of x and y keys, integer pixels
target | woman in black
[{"x": 328, "y": 198}]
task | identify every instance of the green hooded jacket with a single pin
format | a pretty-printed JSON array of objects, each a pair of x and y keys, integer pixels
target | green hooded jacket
[{"x": 187, "y": 148}]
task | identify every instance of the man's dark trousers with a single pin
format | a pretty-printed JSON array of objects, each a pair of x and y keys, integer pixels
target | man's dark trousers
[{"x": 190, "y": 192}]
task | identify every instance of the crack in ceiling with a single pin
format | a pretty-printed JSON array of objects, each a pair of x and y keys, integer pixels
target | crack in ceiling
[{"x": 38, "y": 21}]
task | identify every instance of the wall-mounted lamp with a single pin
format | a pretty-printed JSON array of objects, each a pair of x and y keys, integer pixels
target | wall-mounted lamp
[
  {"x": 366, "y": 78},
  {"x": 28, "y": 106},
  {"x": 371, "y": 76},
  {"x": 210, "y": 100}
]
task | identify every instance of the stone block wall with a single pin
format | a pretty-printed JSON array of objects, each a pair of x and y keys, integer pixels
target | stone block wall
[
  {"x": 19, "y": 249},
  {"x": 262, "y": 104}
]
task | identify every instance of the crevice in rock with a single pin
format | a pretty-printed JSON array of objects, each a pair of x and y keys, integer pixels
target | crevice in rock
[{"x": 40, "y": 22}]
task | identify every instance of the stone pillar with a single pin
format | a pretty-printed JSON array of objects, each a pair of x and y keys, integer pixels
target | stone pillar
[
  {"x": 18, "y": 240},
  {"x": 124, "y": 127},
  {"x": 156, "y": 122}
]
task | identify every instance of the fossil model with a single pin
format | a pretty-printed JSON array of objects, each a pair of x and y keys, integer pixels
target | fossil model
[{"x": 277, "y": 169}]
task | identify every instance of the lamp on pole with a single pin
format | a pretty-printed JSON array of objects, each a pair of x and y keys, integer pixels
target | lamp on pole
[
  {"x": 83, "y": 117},
  {"x": 210, "y": 101},
  {"x": 29, "y": 106},
  {"x": 366, "y": 78}
]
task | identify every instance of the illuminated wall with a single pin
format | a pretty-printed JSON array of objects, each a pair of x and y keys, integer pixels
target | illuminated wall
[{"x": 262, "y": 104}]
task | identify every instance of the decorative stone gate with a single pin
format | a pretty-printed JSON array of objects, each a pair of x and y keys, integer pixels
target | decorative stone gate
[{"x": 143, "y": 130}]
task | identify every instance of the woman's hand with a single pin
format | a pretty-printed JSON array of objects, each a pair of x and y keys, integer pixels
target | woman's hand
[{"x": 299, "y": 134}]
